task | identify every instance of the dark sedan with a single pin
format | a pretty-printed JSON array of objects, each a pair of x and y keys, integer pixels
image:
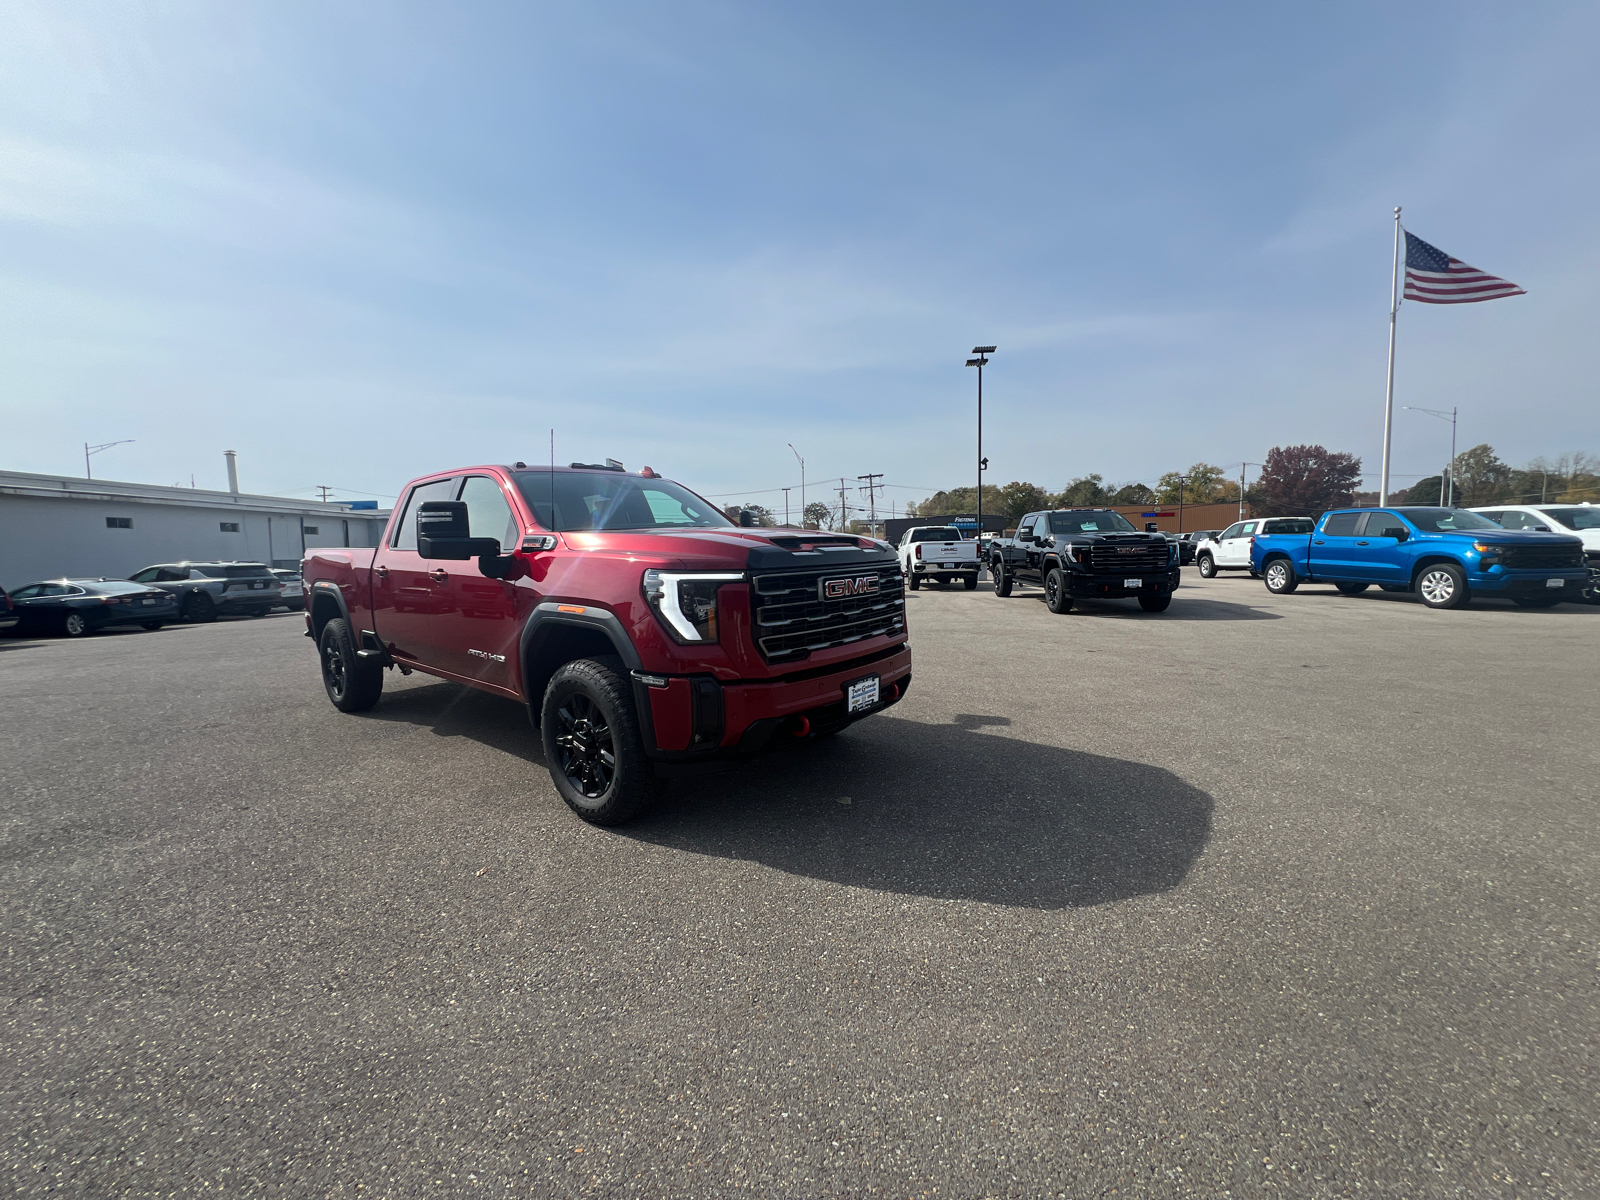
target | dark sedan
[{"x": 76, "y": 607}]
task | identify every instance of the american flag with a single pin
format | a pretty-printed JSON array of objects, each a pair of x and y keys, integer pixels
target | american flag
[{"x": 1433, "y": 277}]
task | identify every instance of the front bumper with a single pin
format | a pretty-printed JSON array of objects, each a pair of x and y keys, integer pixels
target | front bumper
[
  {"x": 1081, "y": 583},
  {"x": 697, "y": 723},
  {"x": 1530, "y": 583}
]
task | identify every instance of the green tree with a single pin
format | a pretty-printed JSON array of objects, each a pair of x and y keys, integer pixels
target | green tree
[
  {"x": 818, "y": 515},
  {"x": 1019, "y": 499},
  {"x": 1082, "y": 492},
  {"x": 1202, "y": 483},
  {"x": 961, "y": 500},
  {"x": 1132, "y": 493},
  {"x": 1480, "y": 477}
]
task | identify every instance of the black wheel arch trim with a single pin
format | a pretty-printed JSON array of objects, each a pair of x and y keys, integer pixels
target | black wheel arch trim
[
  {"x": 326, "y": 587},
  {"x": 546, "y": 620}
]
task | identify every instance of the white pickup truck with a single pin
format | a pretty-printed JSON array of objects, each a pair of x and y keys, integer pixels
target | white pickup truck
[
  {"x": 1230, "y": 549},
  {"x": 938, "y": 552}
]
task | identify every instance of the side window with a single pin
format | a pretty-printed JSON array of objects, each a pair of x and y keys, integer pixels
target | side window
[
  {"x": 488, "y": 514},
  {"x": 27, "y": 593},
  {"x": 53, "y": 589},
  {"x": 148, "y": 575},
  {"x": 1341, "y": 524},
  {"x": 405, "y": 537},
  {"x": 1246, "y": 529},
  {"x": 1515, "y": 520},
  {"x": 1499, "y": 518},
  {"x": 168, "y": 575},
  {"x": 1230, "y": 532},
  {"x": 1382, "y": 524}
]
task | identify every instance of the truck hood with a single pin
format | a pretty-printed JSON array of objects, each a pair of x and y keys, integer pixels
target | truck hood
[
  {"x": 734, "y": 549},
  {"x": 1507, "y": 537}
]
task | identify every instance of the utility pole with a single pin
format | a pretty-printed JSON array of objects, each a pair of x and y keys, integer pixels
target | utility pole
[
  {"x": 1242, "y": 466},
  {"x": 982, "y": 358},
  {"x": 872, "y": 496},
  {"x": 802, "y": 484},
  {"x": 786, "y": 492},
  {"x": 842, "y": 508},
  {"x": 324, "y": 489},
  {"x": 88, "y": 450}
]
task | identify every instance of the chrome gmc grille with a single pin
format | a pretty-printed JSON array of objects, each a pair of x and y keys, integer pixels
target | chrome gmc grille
[
  {"x": 1142, "y": 558},
  {"x": 792, "y": 619}
]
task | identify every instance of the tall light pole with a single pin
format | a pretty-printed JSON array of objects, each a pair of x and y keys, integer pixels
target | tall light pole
[
  {"x": 982, "y": 358},
  {"x": 88, "y": 450},
  {"x": 802, "y": 486},
  {"x": 1450, "y": 500}
]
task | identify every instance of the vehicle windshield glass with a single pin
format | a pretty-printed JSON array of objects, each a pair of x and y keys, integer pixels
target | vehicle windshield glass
[
  {"x": 1445, "y": 520},
  {"x": 602, "y": 500},
  {"x": 1090, "y": 522},
  {"x": 940, "y": 534},
  {"x": 1576, "y": 518}
]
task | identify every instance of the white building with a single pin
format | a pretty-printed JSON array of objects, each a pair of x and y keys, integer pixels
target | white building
[{"x": 55, "y": 525}]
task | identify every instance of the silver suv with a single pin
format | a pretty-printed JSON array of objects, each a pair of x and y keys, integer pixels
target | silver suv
[{"x": 208, "y": 590}]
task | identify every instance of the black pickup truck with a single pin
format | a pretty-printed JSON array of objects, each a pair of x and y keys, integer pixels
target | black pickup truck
[{"x": 1086, "y": 553}]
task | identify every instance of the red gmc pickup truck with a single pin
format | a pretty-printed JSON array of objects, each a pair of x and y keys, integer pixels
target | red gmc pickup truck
[{"x": 648, "y": 634}]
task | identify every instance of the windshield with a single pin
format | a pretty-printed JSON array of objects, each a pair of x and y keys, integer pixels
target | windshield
[
  {"x": 1446, "y": 520},
  {"x": 1576, "y": 518},
  {"x": 602, "y": 500},
  {"x": 1090, "y": 522},
  {"x": 939, "y": 534}
]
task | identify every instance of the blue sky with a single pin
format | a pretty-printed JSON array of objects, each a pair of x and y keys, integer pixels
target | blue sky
[{"x": 357, "y": 242}]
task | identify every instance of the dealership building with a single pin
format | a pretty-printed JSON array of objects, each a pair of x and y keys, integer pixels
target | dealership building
[{"x": 55, "y": 526}]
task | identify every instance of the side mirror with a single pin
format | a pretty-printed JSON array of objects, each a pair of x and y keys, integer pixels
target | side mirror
[
  {"x": 1401, "y": 535},
  {"x": 747, "y": 519},
  {"x": 1540, "y": 528},
  {"x": 443, "y": 532}
]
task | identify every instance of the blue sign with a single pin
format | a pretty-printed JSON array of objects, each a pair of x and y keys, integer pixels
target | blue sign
[{"x": 373, "y": 504}]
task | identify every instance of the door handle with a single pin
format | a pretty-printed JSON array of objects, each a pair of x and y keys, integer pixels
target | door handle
[
  {"x": 1361, "y": 543},
  {"x": 1318, "y": 543},
  {"x": 383, "y": 572},
  {"x": 438, "y": 575}
]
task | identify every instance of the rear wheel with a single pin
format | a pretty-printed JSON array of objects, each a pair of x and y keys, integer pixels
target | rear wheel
[
  {"x": 592, "y": 742},
  {"x": 1056, "y": 597},
  {"x": 914, "y": 580},
  {"x": 73, "y": 625},
  {"x": 970, "y": 581},
  {"x": 1442, "y": 585},
  {"x": 1207, "y": 565},
  {"x": 1280, "y": 577},
  {"x": 200, "y": 608},
  {"x": 352, "y": 685},
  {"x": 1155, "y": 603},
  {"x": 1002, "y": 579},
  {"x": 1352, "y": 589}
]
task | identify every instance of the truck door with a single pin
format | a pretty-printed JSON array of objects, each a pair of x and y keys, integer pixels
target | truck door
[
  {"x": 480, "y": 631},
  {"x": 1380, "y": 545},
  {"x": 1025, "y": 544},
  {"x": 1234, "y": 549},
  {"x": 408, "y": 594},
  {"x": 1333, "y": 547}
]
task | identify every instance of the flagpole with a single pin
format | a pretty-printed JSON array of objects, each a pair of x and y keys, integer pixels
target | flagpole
[{"x": 1388, "y": 403}]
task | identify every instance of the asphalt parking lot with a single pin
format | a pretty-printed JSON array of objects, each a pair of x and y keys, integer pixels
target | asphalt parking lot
[{"x": 1263, "y": 895}]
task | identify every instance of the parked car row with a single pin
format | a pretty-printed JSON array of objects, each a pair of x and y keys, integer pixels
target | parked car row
[{"x": 155, "y": 596}]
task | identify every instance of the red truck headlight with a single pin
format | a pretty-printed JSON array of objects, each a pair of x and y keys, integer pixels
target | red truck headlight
[{"x": 686, "y": 602}]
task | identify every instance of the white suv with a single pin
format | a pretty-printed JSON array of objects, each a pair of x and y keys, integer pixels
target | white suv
[
  {"x": 1230, "y": 549},
  {"x": 1580, "y": 519}
]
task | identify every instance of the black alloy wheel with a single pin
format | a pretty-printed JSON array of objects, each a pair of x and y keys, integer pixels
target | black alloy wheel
[
  {"x": 1207, "y": 565},
  {"x": 592, "y": 742},
  {"x": 1056, "y": 596},
  {"x": 352, "y": 685},
  {"x": 1352, "y": 589},
  {"x": 1280, "y": 577},
  {"x": 970, "y": 581},
  {"x": 200, "y": 608}
]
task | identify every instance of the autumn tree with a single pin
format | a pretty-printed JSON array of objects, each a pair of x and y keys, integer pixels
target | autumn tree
[
  {"x": 1133, "y": 493},
  {"x": 1306, "y": 481},
  {"x": 961, "y": 500}
]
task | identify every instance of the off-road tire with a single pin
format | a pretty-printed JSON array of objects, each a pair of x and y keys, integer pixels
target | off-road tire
[
  {"x": 1279, "y": 577},
  {"x": 1442, "y": 585},
  {"x": 587, "y": 715},
  {"x": 1352, "y": 589},
  {"x": 970, "y": 581},
  {"x": 1002, "y": 579},
  {"x": 352, "y": 685},
  {"x": 200, "y": 608},
  {"x": 1056, "y": 596},
  {"x": 1206, "y": 565},
  {"x": 1155, "y": 603},
  {"x": 1538, "y": 601}
]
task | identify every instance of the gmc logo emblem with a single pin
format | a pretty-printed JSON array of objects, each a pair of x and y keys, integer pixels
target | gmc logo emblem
[
  {"x": 1129, "y": 549},
  {"x": 856, "y": 585}
]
